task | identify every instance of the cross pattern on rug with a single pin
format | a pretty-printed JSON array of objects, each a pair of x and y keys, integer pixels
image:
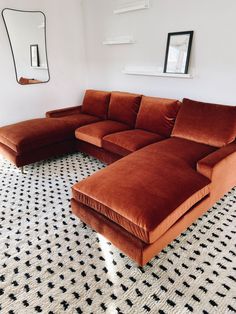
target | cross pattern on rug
[{"x": 51, "y": 262}]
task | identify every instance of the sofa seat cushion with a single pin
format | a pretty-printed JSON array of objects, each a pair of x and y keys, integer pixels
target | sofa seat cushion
[
  {"x": 95, "y": 132},
  {"x": 96, "y": 103},
  {"x": 124, "y": 107},
  {"x": 36, "y": 133},
  {"x": 126, "y": 142},
  {"x": 144, "y": 193},
  {"x": 188, "y": 151},
  {"x": 205, "y": 123},
  {"x": 157, "y": 115}
]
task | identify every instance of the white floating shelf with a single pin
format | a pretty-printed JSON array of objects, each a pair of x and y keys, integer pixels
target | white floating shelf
[
  {"x": 133, "y": 6},
  {"x": 39, "y": 68},
  {"x": 146, "y": 72},
  {"x": 119, "y": 41}
]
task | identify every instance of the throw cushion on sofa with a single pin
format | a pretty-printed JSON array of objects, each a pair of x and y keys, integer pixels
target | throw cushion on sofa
[
  {"x": 96, "y": 103},
  {"x": 210, "y": 124},
  {"x": 124, "y": 107},
  {"x": 157, "y": 115}
]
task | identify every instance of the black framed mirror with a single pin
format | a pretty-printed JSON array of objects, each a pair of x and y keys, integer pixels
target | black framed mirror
[
  {"x": 178, "y": 51},
  {"x": 26, "y": 32}
]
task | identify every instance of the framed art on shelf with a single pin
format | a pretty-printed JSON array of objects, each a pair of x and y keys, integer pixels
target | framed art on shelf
[
  {"x": 178, "y": 51},
  {"x": 34, "y": 55}
]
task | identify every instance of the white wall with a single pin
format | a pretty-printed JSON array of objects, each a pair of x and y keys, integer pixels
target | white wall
[
  {"x": 213, "y": 59},
  {"x": 66, "y": 55}
]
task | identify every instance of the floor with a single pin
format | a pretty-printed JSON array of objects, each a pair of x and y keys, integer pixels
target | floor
[{"x": 50, "y": 262}]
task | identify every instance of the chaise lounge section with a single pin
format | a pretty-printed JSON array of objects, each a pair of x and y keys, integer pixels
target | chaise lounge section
[{"x": 38, "y": 139}]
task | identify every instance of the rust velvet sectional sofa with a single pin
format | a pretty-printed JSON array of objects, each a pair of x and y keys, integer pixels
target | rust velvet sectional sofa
[{"x": 169, "y": 162}]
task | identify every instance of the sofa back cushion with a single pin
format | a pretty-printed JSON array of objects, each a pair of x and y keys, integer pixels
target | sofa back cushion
[
  {"x": 96, "y": 103},
  {"x": 210, "y": 124},
  {"x": 157, "y": 115},
  {"x": 124, "y": 107}
]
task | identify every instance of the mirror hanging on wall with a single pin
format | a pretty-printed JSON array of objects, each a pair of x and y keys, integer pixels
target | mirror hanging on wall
[{"x": 27, "y": 36}]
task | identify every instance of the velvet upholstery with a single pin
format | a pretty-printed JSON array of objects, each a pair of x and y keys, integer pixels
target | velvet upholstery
[
  {"x": 97, "y": 152},
  {"x": 63, "y": 112},
  {"x": 96, "y": 103},
  {"x": 210, "y": 124},
  {"x": 32, "y": 134},
  {"x": 94, "y": 133},
  {"x": 144, "y": 200},
  {"x": 124, "y": 107},
  {"x": 220, "y": 168},
  {"x": 126, "y": 142},
  {"x": 188, "y": 151},
  {"x": 132, "y": 246},
  {"x": 157, "y": 115},
  {"x": 37, "y": 154},
  {"x": 143, "y": 197}
]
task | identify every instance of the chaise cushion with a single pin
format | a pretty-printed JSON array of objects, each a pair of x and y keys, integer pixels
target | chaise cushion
[
  {"x": 210, "y": 124},
  {"x": 126, "y": 142},
  {"x": 157, "y": 115},
  {"x": 144, "y": 198},
  {"x": 95, "y": 132},
  {"x": 124, "y": 107},
  {"x": 188, "y": 151},
  {"x": 36, "y": 133},
  {"x": 96, "y": 103}
]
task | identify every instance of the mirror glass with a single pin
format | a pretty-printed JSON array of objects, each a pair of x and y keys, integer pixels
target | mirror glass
[
  {"x": 27, "y": 35},
  {"x": 178, "y": 52}
]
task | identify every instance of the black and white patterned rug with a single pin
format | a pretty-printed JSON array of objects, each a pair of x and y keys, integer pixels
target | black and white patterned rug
[{"x": 50, "y": 262}]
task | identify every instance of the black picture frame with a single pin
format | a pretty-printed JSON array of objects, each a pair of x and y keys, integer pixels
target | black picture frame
[
  {"x": 34, "y": 56},
  {"x": 185, "y": 66}
]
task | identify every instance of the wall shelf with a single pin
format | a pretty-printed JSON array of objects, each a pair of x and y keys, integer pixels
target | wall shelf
[
  {"x": 39, "y": 68},
  {"x": 153, "y": 72},
  {"x": 119, "y": 41},
  {"x": 133, "y": 6}
]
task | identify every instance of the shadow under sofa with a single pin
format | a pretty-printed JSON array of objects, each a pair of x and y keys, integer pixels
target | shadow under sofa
[{"x": 168, "y": 170}]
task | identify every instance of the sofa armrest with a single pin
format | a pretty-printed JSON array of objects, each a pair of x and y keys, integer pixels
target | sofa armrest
[
  {"x": 220, "y": 168},
  {"x": 63, "y": 112}
]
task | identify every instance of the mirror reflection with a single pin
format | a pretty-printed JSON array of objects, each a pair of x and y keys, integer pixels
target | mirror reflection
[{"x": 27, "y": 35}]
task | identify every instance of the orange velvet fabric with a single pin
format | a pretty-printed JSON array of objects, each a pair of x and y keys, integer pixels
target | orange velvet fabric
[
  {"x": 63, "y": 112},
  {"x": 141, "y": 192},
  {"x": 126, "y": 142},
  {"x": 32, "y": 134},
  {"x": 95, "y": 132},
  {"x": 206, "y": 123},
  {"x": 96, "y": 103},
  {"x": 188, "y": 151},
  {"x": 220, "y": 168},
  {"x": 124, "y": 107},
  {"x": 132, "y": 246},
  {"x": 157, "y": 115},
  {"x": 97, "y": 152},
  {"x": 41, "y": 153}
]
